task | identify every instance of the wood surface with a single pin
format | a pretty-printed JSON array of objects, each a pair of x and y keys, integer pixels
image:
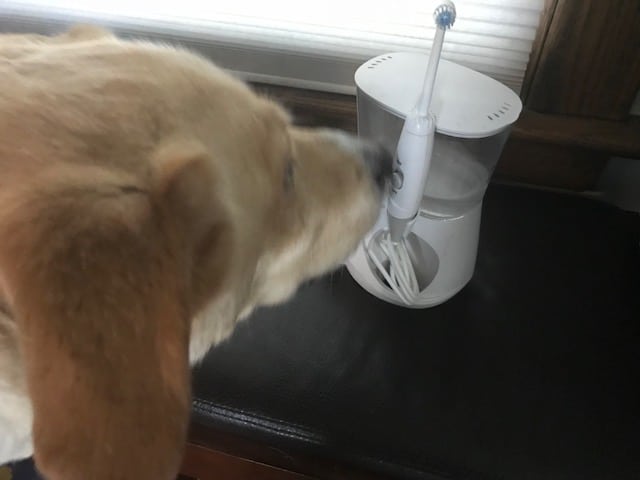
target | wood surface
[{"x": 590, "y": 62}]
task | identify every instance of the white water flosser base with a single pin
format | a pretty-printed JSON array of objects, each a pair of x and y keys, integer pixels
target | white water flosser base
[{"x": 446, "y": 249}]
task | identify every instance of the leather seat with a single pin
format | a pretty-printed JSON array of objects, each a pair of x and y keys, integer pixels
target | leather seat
[{"x": 530, "y": 372}]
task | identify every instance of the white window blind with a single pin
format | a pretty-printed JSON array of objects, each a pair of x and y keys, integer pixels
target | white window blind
[{"x": 308, "y": 44}]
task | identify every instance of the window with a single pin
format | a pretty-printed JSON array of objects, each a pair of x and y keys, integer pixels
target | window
[{"x": 308, "y": 44}]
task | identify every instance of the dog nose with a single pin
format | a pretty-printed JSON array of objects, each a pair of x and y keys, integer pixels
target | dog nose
[
  {"x": 377, "y": 158},
  {"x": 379, "y": 161}
]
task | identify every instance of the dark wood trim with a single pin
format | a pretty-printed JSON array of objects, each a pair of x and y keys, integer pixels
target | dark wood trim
[
  {"x": 202, "y": 463},
  {"x": 537, "y": 47},
  {"x": 314, "y": 108},
  {"x": 288, "y": 460},
  {"x": 590, "y": 62},
  {"x": 615, "y": 138},
  {"x": 549, "y": 165}
]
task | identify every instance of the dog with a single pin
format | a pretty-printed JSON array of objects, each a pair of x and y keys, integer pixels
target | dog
[{"x": 148, "y": 202}]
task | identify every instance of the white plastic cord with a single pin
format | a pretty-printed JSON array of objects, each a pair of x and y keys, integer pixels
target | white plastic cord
[{"x": 400, "y": 276}]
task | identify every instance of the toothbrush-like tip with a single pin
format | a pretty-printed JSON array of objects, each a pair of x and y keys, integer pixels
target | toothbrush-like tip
[{"x": 445, "y": 14}]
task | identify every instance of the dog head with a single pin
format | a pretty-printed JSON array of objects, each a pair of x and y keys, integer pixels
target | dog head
[
  {"x": 267, "y": 204},
  {"x": 297, "y": 201}
]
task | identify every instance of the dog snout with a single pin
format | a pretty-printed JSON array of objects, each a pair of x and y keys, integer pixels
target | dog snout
[
  {"x": 379, "y": 161},
  {"x": 376, "y": 157}
]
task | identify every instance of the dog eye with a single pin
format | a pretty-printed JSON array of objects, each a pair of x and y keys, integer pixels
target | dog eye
[{"x": 288, "y": 176}]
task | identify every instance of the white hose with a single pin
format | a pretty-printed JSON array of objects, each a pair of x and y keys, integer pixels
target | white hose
[{"x": 401, "y": 275}]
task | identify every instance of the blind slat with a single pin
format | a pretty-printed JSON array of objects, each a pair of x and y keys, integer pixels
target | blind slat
[{"x": 491, "y": 36}]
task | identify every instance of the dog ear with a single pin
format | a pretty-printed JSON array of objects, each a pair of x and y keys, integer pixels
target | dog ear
[
  {"x": 185, "y": 181},
  {"x": 98, "y": 275}
]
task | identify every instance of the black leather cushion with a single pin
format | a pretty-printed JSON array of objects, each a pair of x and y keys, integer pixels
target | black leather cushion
[
  {"x": 531, "y": 372},
  {"x": 24, "y": 470}
]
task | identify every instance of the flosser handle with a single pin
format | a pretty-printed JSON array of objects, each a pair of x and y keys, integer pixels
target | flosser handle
[{"x": 410, "y": 170}]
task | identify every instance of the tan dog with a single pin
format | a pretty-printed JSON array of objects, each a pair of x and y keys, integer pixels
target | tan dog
[{"x": 147, "y": 202}]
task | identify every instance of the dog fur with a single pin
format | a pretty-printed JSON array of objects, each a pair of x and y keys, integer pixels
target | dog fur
[{"x": 148, "y": 201}]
